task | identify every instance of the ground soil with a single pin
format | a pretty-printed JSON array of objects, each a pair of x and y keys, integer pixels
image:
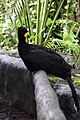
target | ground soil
[{"x": 8, "y": 111}]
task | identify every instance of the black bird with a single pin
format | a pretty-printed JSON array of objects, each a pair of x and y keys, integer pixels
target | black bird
[{"x": 36, "y": 57}]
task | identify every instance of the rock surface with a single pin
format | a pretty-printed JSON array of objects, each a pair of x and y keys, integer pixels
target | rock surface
[
  {"x": 16, "y": 83},
  {"x": 46, "y": 99},
  {"x": 66, "y": 102}
]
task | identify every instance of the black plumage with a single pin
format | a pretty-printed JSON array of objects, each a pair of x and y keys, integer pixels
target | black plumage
[{"x": 37, "y": 57}]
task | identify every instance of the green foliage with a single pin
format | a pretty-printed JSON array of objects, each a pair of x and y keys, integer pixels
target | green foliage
[
  {"x": 24, "y": 13},
  {"x": 69, "y": 40},
  {"x": 42, "y": 19},
  {"x": 49, "y": 22},
  {"x": 77, "y": 81},
  {"x": 7, "y": 33},
  {"x": 53, "y": 80}
]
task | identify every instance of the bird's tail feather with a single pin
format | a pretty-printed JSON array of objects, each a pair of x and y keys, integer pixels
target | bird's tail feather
[{"x": 74, "y": 94}]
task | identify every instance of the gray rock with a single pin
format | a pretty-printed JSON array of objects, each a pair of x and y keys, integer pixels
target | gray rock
[
  {"x": 66, "y": 101},
  {"x": 46, "y": 99},
  {"x": 16, "y": 83}
]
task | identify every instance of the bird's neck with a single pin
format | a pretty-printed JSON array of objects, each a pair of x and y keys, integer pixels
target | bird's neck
[{"x": 22, "y": 39}]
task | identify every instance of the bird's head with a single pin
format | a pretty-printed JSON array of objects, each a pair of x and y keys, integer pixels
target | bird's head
[{"x": 22, "y": 33}]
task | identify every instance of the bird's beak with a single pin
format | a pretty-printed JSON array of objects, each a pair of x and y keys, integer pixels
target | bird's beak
[{"x": 26, "y": 34}]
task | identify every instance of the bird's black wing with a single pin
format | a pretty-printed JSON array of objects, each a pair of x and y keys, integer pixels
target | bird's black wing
[
  {"x": 40, "y": 59},
  {"x": 55, "y": 54},
  {"x": 37, "y": 59}
]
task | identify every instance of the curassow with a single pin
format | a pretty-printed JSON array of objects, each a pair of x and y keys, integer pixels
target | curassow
[{"x": 36, "y": 57}]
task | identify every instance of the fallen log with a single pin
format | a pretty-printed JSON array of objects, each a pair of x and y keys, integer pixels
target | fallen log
[{"x": 46, "y": 99}]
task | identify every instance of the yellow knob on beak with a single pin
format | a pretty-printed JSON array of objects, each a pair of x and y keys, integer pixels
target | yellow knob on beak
[{"x": 26, "y": 34}]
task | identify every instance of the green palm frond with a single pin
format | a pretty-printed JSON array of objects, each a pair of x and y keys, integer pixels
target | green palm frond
[{"x": 21, "y": 13}]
